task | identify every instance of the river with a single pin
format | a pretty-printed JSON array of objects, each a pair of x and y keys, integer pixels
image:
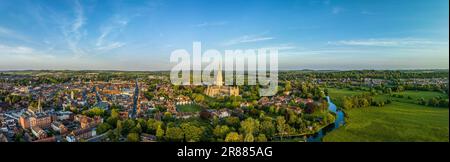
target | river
[{"x": 338, "y": 122}]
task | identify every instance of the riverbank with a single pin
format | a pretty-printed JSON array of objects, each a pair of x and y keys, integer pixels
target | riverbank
[
  {"x": 317, "y": 136},
  {"x": 395, "y": 122}
]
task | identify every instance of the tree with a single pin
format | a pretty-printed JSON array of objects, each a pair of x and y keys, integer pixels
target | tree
[
  {"x": 119, "y": 128},
  {"x": 364, "y": 103},
  {"x": 400, "y": 88},
  {"x": 347, "y": 103},
  {"x": 127, "y": 125},
  {"x": 250, "y": 126},
  {"x": 281, "y": 126},
  {"x": 174, "y": 134},
  {"x": 330, "y": 118},
  {"x": 137, "y": 128},
  {"x": 326, "y": 91},
  {"x": 267, "y": 127},
  {"x": 133, "y": 137},
  {"x": 221, "y": 131},
  {"x": 261, "y": 138},
  {"x": 168, "y": 116},
  {"x": 151, "y": 128},
  {"x": 103, "y": 127},
  {"x": 112, "y": 121},
  {"x": 113, "y": 135},
  {"x": 143, "y": 124},
  {"x": 191, "y": 132},
  {"x": 232, "y": 121},
  {"x": 199, "y": 98},
  {"x": 433, "y": 102},
  {"x": 233, "y": 137},
  {"x": 159, "y": 132},
  {"x": 249, "y": 138},
  {"x": 114, "y": 113},
  {"x": 288, "y": 86},
  {"x": 292, "y": 117},
  {"x": 96, "y": 111},
  {"x": 389, "y": 90},
  {"x": 322, "y": 94}
]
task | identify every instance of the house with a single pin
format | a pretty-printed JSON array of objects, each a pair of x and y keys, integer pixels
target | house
[
  {"x": 83, "y": 133},
  {"x": 70, "y": 138},
  {"x": 62, "y": 115},
  {"x": 87, "y": 122},
  {"x": 48, "y": 139},
  {"x": 264, "y": 101},
  {"x": 38, "y": 132},
  {"x": 3, "y": 129},
  {"x": 148, "y": 137},
  {"x": 245, "y": 104},
  {"x": 222, "y": 113},
  {"x": 59, "y": 127},
  {"x": 297, "y": 110},
  {"x": 3, "y": 138}
]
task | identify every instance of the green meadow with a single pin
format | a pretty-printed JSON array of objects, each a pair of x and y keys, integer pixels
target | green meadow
[
  {"x": 401, "y": 121},
  {"x": 189, "y": 108},
  {"x": 338, "y": 93}
]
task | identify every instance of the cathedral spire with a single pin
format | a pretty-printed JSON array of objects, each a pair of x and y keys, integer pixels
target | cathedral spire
[
  {"x": 219, "y": 79},
  {"x": 39, "y": 107}
]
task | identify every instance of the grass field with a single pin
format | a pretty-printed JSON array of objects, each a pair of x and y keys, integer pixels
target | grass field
[
  {"x": 402, "y": 120},
  {"x": 418, "y": 94},
  {"x": 411, "y": 96},
  {"x": 189, "y": 108},
  {"x": 338, "y": 93},
  {"x": 394, "y": 122}
]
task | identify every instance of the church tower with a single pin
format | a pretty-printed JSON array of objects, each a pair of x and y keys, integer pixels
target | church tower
[
  {"x": 39, "y": 107},
  {"x": 72, "y": 95},
  {"x": 219, "y": 79},
  {"x": 133, "y": 113}
]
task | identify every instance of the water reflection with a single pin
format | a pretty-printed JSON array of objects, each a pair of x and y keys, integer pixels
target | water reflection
[{"x": 339, "y": 122}]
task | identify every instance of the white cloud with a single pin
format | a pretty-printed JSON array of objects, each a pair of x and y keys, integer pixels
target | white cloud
[
  {"x": 14, "y": 53},
  {"x": 398, "y": 42},
  {"x": 72, "y": 32},
  {"x": 111, "y": 46},
  {"x": 337, "y": 10},
  {"x": 282, "y": 47},
  {"x": 4, "y": 49},
  {"x": 79, "y": 19},
  {"x": 247, "y": 39},
  {"x": 365, "y": 12},
  {"x": 8, "y": 33},
  {"x": 209, "y": 24},
  {"x": 109, "y": 31}
]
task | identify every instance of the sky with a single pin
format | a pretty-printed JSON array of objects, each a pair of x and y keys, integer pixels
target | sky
[{"x": 140, "y": 35}]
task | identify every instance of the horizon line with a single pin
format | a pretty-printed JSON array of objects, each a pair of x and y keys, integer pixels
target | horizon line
[{"x": 393, "y": 69}]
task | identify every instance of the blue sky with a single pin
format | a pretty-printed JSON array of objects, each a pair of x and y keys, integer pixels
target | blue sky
[{"x": 140, "y": 35}]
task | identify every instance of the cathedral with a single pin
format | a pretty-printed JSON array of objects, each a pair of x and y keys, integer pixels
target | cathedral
[{"x": 219, "y": 89}]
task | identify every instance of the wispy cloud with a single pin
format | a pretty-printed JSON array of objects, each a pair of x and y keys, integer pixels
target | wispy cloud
[
  {"x": 247, "y": 39},
  {"x": 282, "y": 47},
  {"x": 72, "y": 32},
  {"x": 210, "y": 24},
  {"x": 15, "y": 49},
  {"x": 366, "y": 12},
  {"x": 337, "y": 10},
  {"x": 22, "y": 52},
  {"x": 111, "y": 46},
  {"x": 397, "y": 42},
  {"x": 8, "y": 33},
  {"x": 109, "y": 31}
]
